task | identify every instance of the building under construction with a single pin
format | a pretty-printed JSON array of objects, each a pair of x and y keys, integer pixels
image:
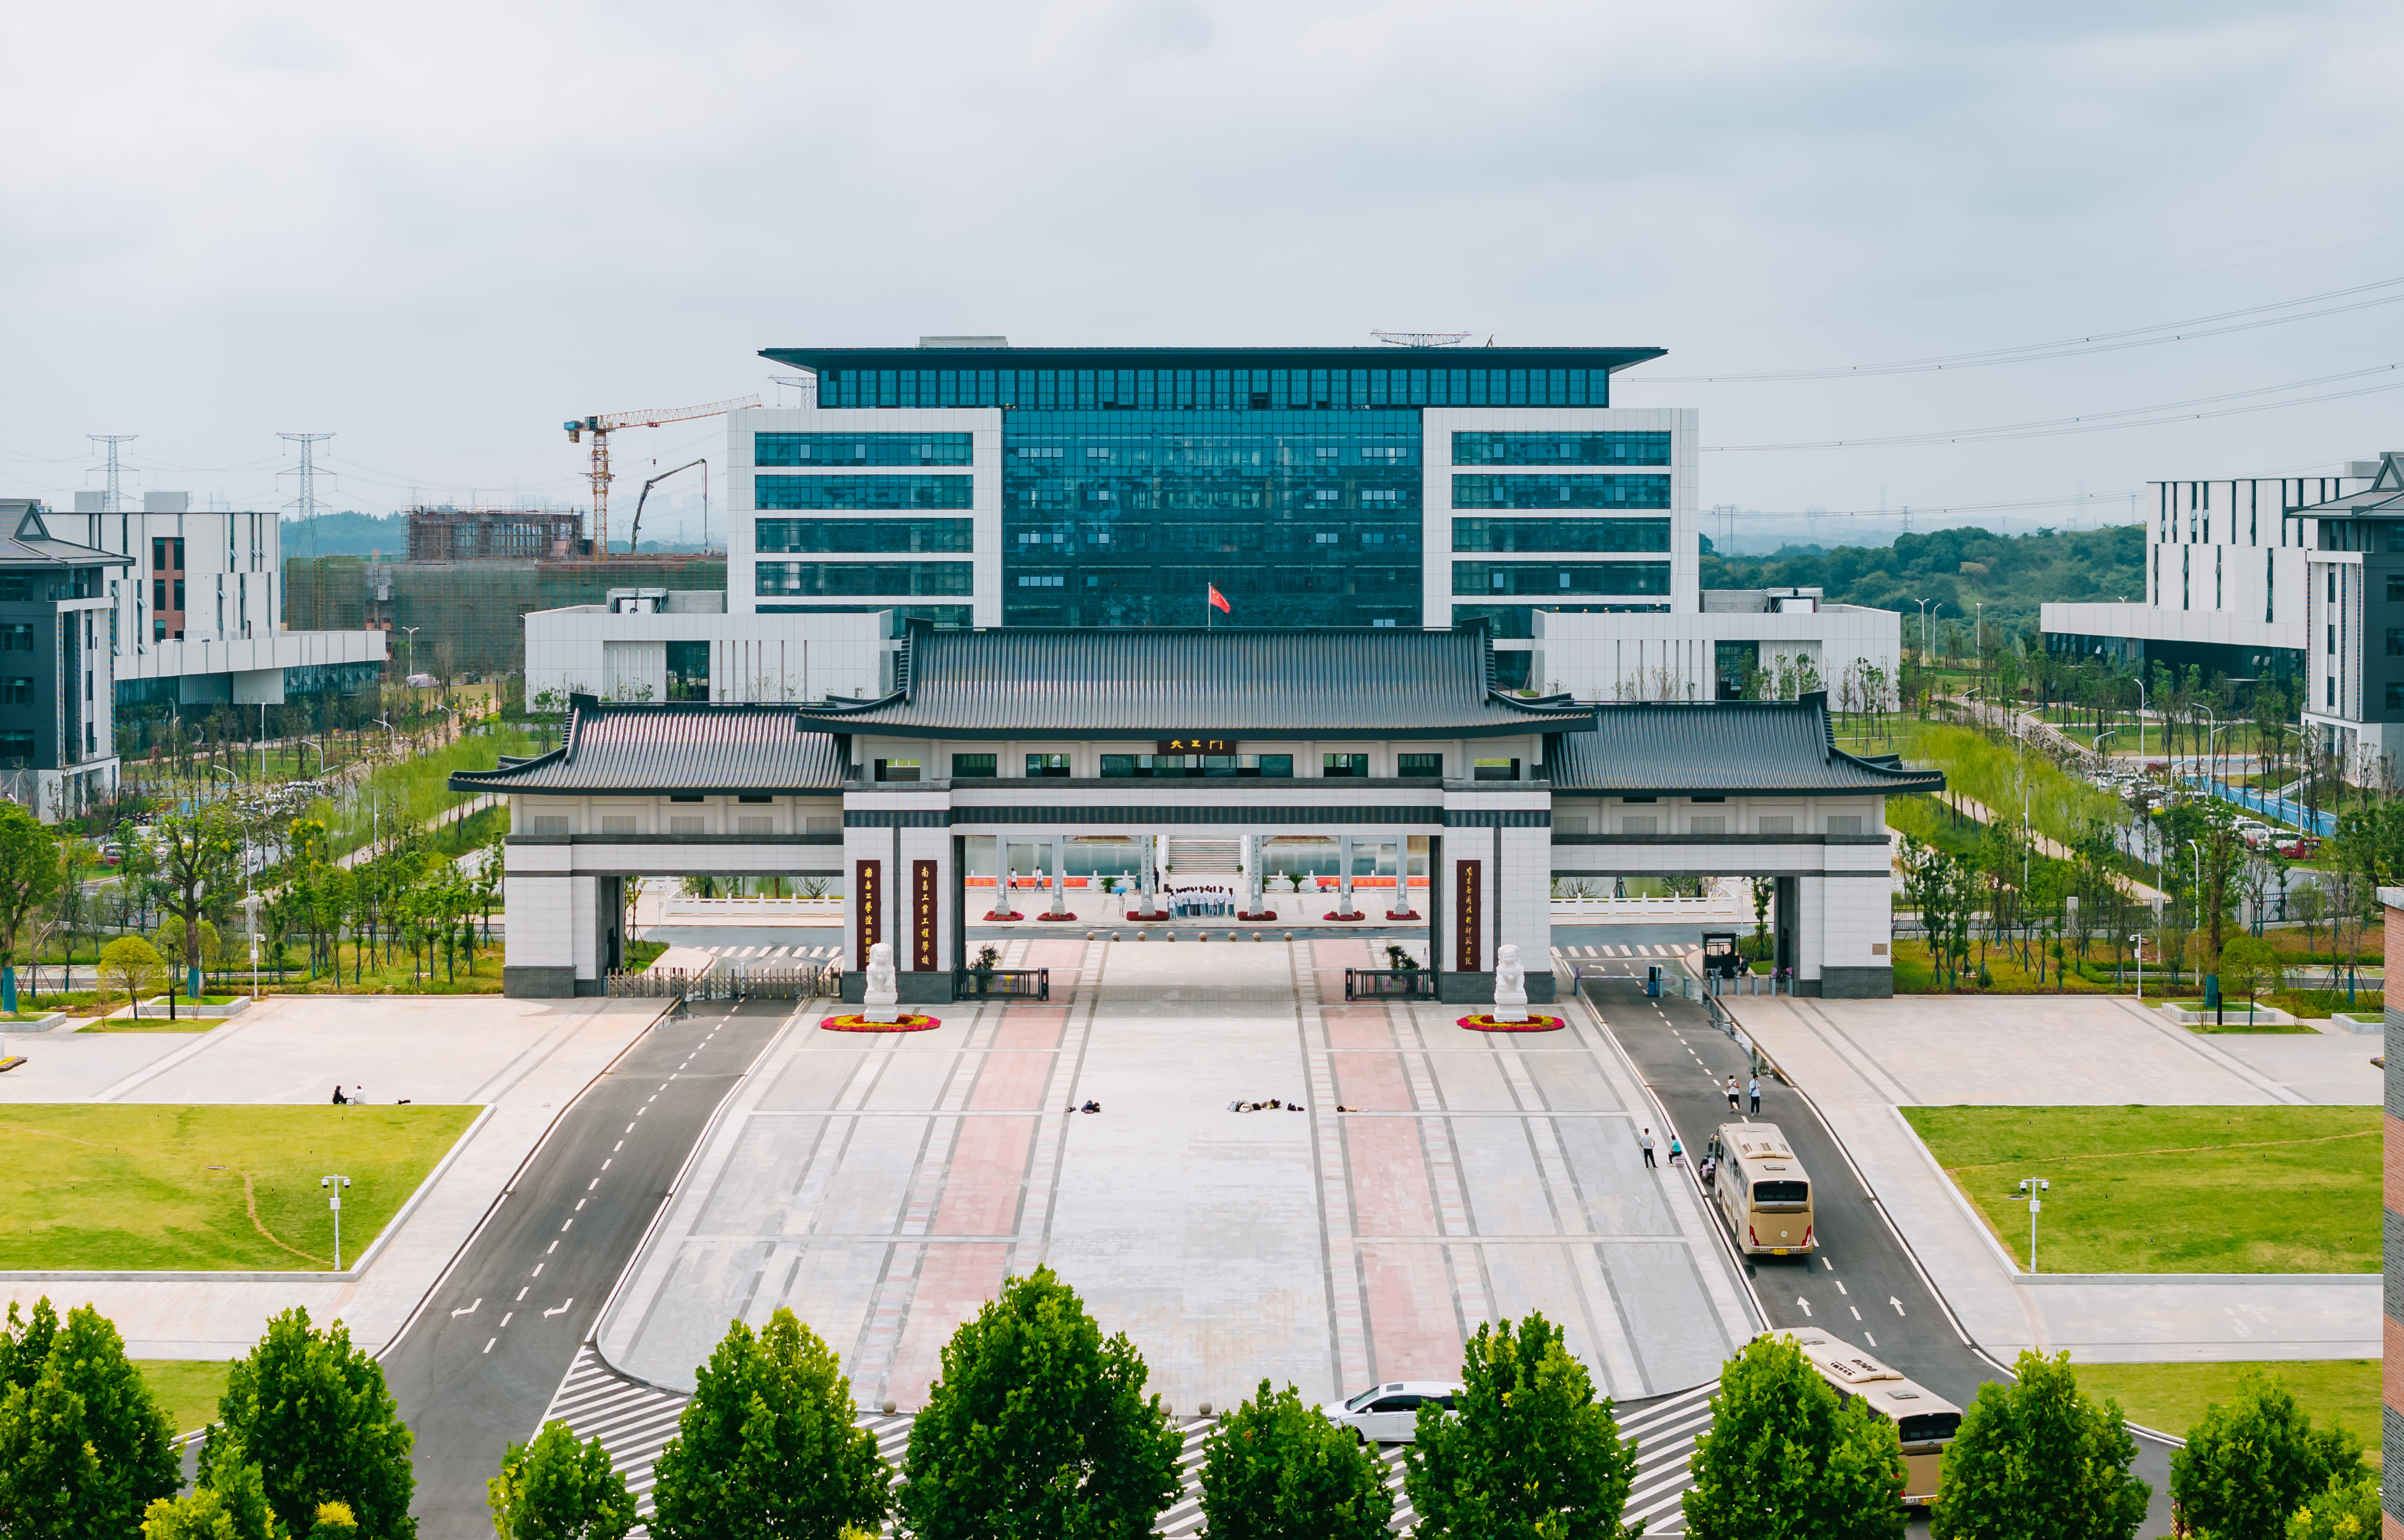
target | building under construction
[{"x": 459, "y": 614}]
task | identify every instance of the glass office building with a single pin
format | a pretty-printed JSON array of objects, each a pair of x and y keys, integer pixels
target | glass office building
[{"x": 989, "y": 485}]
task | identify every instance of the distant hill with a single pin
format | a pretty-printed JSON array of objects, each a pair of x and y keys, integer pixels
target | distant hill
[
  {"x": 2010, "y": 576},
  {"x": 347, "y": 535}
]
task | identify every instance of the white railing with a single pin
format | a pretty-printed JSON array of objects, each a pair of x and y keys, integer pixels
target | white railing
[{"x": 748, "y": 905}]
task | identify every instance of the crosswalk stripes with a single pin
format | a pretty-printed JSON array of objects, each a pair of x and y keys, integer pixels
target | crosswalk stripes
[{"x": 635, "y": 1422}]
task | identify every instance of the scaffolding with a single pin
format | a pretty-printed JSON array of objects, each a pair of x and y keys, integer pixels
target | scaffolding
[
  {"x": 471, "y": 616},
  {"x": 482, "y": 535}
]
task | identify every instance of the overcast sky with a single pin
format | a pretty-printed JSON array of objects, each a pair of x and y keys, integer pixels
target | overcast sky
[{"x": 437, "y": 230}]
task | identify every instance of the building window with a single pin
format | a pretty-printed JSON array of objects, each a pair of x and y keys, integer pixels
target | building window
[
  {"x": 540, "y": 823},
  {"x": 867, "y": 493},
  {"x": 1179, "y": 767},
  {"x": 1560, "y": 492},
  {"x": 2331, "y": 692},
  {"x": 2395, "y": 640},
  {"x": 687, "y": 825},
  {"x": 617, "y": 823},
  {"x": 1047, "y": 767},
  {"x": 819, "y": 579},
  {"x": 756, "y": 798},
  {"x": 2396, "y": 698},
  {"x": 864, "y": 535},
  {"x": 1778, "y": 822},
  {"x": 1494, "y": 770},
  {"x": 15, "y": 692},
  {"x": 1558, "y": 577},
  {"x": 688, "y": 665},
  {"x": 897, "y": 770},
  {"x": 1344, "y": 765},
  {"x": 1716, "y": 822},
  {"x": 1560, "y": 449},
  {"x": 1845, "y": 822},
  {"x": 862, "y": 448},
  {"x": 974, "y": 766},
  {"x": 684, "y": 796},
  {"x": 1640, "y": 823},
  {"x": 1418, "y": 764},
  {"x": 1550, "y": 535}
]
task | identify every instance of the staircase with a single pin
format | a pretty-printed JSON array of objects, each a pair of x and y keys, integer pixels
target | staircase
[{"x": 1196, "y": 858}]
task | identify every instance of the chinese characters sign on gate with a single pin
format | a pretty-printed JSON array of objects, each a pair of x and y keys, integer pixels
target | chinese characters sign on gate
[
  {"x": 1469, "y": 922},
  {"x": 922, "y": 916},
  {"x": 868, "y": 907}
]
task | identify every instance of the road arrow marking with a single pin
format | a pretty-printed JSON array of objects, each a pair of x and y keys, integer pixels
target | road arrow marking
[
  {"x": 562, "y": 1310},
  {"x": 470, "y": 1311},
  {"x": 1805, "y": 1303},
  {"x": 1897, "y": 1303}
]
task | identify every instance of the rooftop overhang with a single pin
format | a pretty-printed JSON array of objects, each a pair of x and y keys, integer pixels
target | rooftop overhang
[{"x": 814, "y": 360}]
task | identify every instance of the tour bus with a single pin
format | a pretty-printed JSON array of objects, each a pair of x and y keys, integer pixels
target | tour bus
[
  {"x": 1762, "y": 1190},
  {"x": 1923, "y": 1421}
]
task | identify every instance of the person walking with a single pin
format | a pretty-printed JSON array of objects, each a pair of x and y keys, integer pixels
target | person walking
[
  {"x": 1647, "y": 1143},
  {"x": 1731, "y": 1093},
  {"x": 1753, "y": 1093}
]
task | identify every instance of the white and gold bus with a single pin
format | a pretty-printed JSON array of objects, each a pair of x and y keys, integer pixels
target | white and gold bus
[
  {"x": 1762, "y": 1190},
  {"x": 1925, "y": 1422}
]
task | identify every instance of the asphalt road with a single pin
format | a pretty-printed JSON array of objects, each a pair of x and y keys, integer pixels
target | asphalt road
[
  {"x": 1860, "y": 1282},
  {"x": 476, "y": 1368}
]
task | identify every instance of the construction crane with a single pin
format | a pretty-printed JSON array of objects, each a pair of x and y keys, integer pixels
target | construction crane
[
  {"x": 1422, "y": 339},
  {"x": 633, "y": 538},
  {"x": 602, "y": 427}
]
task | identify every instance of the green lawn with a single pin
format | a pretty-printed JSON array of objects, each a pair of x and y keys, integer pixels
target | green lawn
[
  {"x": 110, "y": 1188},
  {"x": 2172, "y": 1189},
  {"x": 187, "y": 1389},
  {"x": 185, "y": 1022},
  {"x": 2171, "y": 1397}
]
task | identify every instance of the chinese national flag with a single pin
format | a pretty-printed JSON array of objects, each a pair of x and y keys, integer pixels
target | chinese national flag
[{"x": 1218, "y": 600}]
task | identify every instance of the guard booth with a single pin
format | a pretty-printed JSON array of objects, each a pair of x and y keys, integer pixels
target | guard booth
[{"x": 1722, "y": 956}]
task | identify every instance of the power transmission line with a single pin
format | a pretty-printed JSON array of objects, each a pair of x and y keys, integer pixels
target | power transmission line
[
  {"x": 109, "y": 498},
  {"x": 307, "y": 471}
]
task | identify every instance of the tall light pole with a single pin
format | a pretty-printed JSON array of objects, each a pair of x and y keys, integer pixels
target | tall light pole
[
  {"x": 413, "y": 650},
  {"x": 2032, "y": 1193},
  {"x": 334, "y": 1202},
  {"x": 251, "y": 902}
]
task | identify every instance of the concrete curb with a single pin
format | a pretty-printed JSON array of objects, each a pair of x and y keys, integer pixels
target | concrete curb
[
  {"x": 351, "y": 1274},
  {"x": 2309, "y": 1279}
]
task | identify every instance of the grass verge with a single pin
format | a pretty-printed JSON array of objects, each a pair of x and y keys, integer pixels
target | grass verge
[
  {"x": 188, "y": 1390},
  {"x": 2172, "y": 1189},
  {"x": 158, "y": 1024},
  {"x": 2171, "y": 1397},
  {"x": 106, "y": 1187}
]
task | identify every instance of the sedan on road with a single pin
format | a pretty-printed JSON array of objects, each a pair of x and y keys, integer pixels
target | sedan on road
[{"x": 1390, "y": 1414}]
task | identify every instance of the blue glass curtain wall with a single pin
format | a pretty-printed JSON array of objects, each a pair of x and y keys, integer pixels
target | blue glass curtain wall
[
  {"x": 1551, "y": 534},
  {"x": 1560, "y": 449},
  {"x": 863, "y": 492},
  {"x": 862, "y": 448},
  {"x": 865, "y": 535},
  {"x": 1102, "y": 389},
  {"x": 946, "y": 617},
  {"x": 856, "y": 577},
  {"x": 1560, "y": 492},
  {"x": 1540, "y": 578},
  {"x": 1129, "y": 518},
  {"x": 1508, "y": 621}
]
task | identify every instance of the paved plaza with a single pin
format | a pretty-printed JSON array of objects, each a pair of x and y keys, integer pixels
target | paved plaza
[
  {"x": 524, "y": 1058},
  {"x": 884, "y": 1185},
  {"x": 1860, "y": 1060}
]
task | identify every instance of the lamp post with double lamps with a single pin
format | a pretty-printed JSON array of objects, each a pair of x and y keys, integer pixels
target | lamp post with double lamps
[
  {"x": 2032, "y": 1193},
  {"x": 337, "y": 1182}
]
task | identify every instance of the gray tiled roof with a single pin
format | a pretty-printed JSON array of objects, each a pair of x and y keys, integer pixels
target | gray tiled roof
[
  {"x": 636, "y": 749},
  {"x": 1370, "y": 682},
  {"x": 1720, "y": 747},
  {"x": 24, "y": 536}
]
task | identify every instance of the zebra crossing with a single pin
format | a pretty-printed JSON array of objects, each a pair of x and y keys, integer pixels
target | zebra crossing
[
  {"x": 1600, "y": 951},
  {"x": 634, "y": 1421},
  {"x": 764, "y": 955}
]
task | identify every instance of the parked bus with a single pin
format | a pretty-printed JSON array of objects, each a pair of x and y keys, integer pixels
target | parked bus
[
  {"x": 1925, "y": 1422},
  {"x": 1762, "y": 1190}
]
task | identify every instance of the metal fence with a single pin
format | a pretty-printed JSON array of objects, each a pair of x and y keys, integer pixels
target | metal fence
[
  {"x": 1389, "y": 984},
  {"x": 805, "y": 982},
  {"x": 1003, "y": 984}
]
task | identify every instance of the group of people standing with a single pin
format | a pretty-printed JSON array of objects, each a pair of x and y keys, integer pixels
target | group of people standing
[{"x": 1200, "y": 903}]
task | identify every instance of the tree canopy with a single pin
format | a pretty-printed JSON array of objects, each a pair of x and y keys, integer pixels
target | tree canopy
[
  {"x": 1278, "y": 1469},
  {"x": 84, "y": 1449},
  {"x": 312, "y": 1413},
  {"x": 1785, "y": 1458},
  {"x": 2038, "y": 1457},
  {"x": 2010, "y": 574},
  {"x": 2254, "y": 1459}
]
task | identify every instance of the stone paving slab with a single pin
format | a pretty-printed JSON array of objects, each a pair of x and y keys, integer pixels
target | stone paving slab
[
  {"x": 1860, "y": 1060},
  {"x": 885, "y": 1187},
  {"x": 527, "y": 1059}
]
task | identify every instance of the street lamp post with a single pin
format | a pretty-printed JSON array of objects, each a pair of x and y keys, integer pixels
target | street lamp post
[
  {"x": 2032, "y": 1193},
  {"x": 334, "y": 1202},
  {"x": 412, "y": 649},
  {"x": 2139, "y": 941},
  {"x": 251, "y": 902}
]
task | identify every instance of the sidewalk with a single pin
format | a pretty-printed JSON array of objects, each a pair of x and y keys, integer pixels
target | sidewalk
[
  {"x": 1860, "y": 1060},
  {"x": 524, "y": 1058}
]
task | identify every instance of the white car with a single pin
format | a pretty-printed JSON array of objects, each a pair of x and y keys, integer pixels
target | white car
[{"x": 1390, "y": 1414}]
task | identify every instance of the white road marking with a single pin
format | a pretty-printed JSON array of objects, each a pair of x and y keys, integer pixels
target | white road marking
[
  {"x": 1869, "y": 1338},
  {"x": 1840, "y": 1283},
  {"x": 1856, "y": 1310},
  {"x": 538, "y": 1267},
  {"x": 563, "y": 1228},
  {"x": 488, "y": 1347},
  {"x": 1897, "y": 1303},
  {"x": 522, "y": 1294},
  {"x": 470, "y": 1311},
  {"x": 1805, "y": 1303},
  {"x": 505, "y": 1320},
  {"x": 561, "y": 1309}
]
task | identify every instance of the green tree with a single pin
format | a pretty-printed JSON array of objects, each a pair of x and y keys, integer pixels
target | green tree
[
  {"x": 1785, "y": 1458},
  {"x": 1038, "y": 1430},
  {"x": 557, "y": 1488},
  {"x": 129, "y": 964},
  {"x": 83, "y": 1448},
  {"x": 2037, "y": 1457},
  {"x": 1278, "y": 1469},
  {"x": 197, "y": 872},
  {"x": 767, "y": 1445},
  {"x": 1532, "y": 1454},
  {"x": 312, "y": 1412},
  {"x": 2346, "y": 1511},
  {"x": 29, "y": 875},
  {"x": 2246, "y": 963},
  {"x": 2254, "y": 1459},
  {"x": 232, "y": 1507}
]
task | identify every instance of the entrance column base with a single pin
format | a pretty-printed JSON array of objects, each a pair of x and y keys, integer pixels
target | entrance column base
[{"x": 1477, "y": 988}]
